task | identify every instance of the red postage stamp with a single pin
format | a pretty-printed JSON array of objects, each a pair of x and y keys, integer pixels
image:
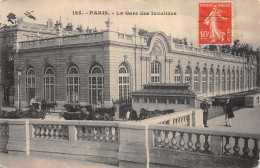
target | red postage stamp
[{"x": 215, "y": 23}]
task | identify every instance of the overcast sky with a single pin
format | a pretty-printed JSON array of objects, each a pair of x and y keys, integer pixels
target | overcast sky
[{"x": 184, "y": 24}]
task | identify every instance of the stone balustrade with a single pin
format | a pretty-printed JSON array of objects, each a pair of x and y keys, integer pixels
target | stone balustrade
[
  {"x": 50, "y": 131},
  {"x": 163, "y": 141},
  {"x": 87, "y": 140},
  {"x": 83, "y": 38},
  {"x": 232, "y": 145},
  {"x": 190, "y": 117},
  {"x": 205, "y": 52},
  {"x": 97, "y": 134}
]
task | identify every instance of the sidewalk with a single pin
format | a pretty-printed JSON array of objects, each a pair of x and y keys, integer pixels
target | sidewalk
[
  {"x": 22, "y": 161},
  {"x": 246, "y": 120}
]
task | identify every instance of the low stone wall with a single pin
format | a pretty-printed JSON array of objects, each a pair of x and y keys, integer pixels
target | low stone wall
[
  {"x": 190, "y": 117},
  {"x": 186, "y": 147},
  {"x": 252, "y": 100},
  {"x": 165, "y": 141},
  {"x": 90, "y": 140}
]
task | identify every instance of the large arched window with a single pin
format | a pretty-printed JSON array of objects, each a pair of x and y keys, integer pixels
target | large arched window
[
  {"x": 196, "y": 80},
  {"x": 188, "y": 75},
  {"x": 48, "y": 85},
  {"x": 223, "y": 76},
  {"x": 96, "y": 85},
  {"x": 124, "y": 82},
  {"x": 30, "y": 84},
  {"x": 73, "y": 85},
  {"x": 241, "y": 79},
  {"x": 217, "y": 81},
  {"x": 228, "y": 80},
  {"x": 177, "y": 77},
  {"x": 204, "y": 81},
  {"x": 155, "y": 72},
  {"x": 237, "y": 80},
  {"x": 233, "y": 80},
  {"x": 211, "y": 84}
]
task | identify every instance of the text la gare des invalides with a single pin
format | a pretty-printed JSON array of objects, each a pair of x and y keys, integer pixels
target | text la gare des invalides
[{"x": 124, "y": 13}]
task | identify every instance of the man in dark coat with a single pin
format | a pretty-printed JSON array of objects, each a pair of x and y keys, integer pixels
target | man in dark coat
[
  {"x": 205, "y": 107},
  {"x": 228, "y": 112}
]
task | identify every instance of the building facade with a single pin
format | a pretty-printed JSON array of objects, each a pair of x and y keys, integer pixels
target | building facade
[{"x": 99, "y": 67}]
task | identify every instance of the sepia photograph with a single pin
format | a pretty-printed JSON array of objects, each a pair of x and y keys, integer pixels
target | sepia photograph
[{"x": 129, "y": 84}]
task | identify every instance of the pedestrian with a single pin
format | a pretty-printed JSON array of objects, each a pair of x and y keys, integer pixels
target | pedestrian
[
  {"x": 228, "y": 110},
  {"x": 205, "y": 107}
]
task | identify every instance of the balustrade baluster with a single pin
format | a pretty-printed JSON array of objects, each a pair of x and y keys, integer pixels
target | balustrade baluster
[
  {"x": 182, "y": 142},
  {"x": 48, "y": 132},
  {"x": 42, "y": 131},
  {"x": 92, "y": 134},
  {"x": 236, "y": 147},
  {"x": 110, "y": 135},
  {"x": 155, "y": 137},
  {"x": 174, "y": 141},
  {"x": 162, "y": 135},
  {"x": 98, "y": 134},
  {"x": 116, "y": 134},
  {"x": 58, "y": 127},
  {"x": 198, "y": 144},
  {"x": 86, "y": 133},
  {"x": 159, "y": 139},
  {"x": 36, "y": 131},
  {"x": 104, "y": 134},
  {"x": 61, "y": 131},
  {"x": 206, "y": 144},
  {"x": 166, "y": 139},
  {"x": 246, "y": 150},
  {"x": 52, "y": 131},
  {"x": 227, "y": 147},
  {"x": 190, "y": 143},
  {"x": 256, "y": 150},
  {"x": 80, "y": 133}
]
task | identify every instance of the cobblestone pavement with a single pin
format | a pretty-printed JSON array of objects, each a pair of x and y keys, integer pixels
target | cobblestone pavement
[{"x": 21, "y": 161}]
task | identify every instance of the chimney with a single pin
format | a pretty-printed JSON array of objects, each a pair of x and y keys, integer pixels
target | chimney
[{"x": 49, "y": 23}]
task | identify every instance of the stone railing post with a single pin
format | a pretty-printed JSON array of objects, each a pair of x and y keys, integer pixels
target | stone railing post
[
  {"x": 72, "y": 133},
  {"x": 19, "y": 137},
  {"x": 197, "y": 118},
  {"x": 134, "y": 149}
]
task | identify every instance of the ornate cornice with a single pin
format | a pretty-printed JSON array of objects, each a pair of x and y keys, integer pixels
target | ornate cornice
[{"x": 86, "y": 45}]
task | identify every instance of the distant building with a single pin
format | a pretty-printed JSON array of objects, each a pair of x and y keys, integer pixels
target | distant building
[
  {"x": 101, "y": 66},
  {"x": 163, "y": 96}
]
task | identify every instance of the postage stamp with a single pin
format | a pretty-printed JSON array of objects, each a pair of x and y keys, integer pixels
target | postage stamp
[{"x": 215, "y": 23}]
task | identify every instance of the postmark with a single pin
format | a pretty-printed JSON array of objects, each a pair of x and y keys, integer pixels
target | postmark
[{"x": 215, "y": 23}]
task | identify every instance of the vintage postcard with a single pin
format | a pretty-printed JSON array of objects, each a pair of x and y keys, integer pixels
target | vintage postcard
[{"x": 129, "y": 84}]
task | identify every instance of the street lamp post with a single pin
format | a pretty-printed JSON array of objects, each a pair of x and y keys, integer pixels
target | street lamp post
[
  {"x": 0, "y": 90},
  {"x": 19, "y": 73}
]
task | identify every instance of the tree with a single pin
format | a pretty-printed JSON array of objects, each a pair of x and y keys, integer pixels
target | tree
[
  {"x": 180, "y": 41},
  {"x": 235, "y": 49},
  {"x": 142, "y": 32},
  {"x": 7, "y": 63}
]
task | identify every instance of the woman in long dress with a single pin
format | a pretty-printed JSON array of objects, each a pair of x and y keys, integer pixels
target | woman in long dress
[{"x": 215, "y": 32}]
